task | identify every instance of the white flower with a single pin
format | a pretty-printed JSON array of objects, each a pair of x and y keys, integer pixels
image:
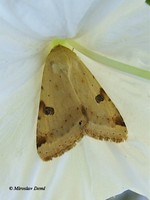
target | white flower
[{"x": 93, "y": 169}]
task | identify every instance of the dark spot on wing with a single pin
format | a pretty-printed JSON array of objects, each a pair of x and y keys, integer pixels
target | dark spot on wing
[
  {"x": 46, "y": 109},
  {"x": 51, "y": 62},
  {"x": 80, "y": 122},
  {"x": 41, "y": 105},
  {"x": 39, "y": 117},
  {"x": 83, "y": 110},
  {"x": 40, "y": 140},
  {"x": 49, "y": 111},
  {"x": 99, "y": 98},
  {"x": 118, "y": 120},
  {"x": 56, "y": 86}
]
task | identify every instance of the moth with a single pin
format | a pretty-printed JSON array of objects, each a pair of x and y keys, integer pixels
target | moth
[{"x": 72, "y": 105}]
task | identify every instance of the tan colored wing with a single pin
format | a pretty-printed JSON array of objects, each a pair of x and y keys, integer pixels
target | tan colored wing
[
  {"x": 60, "y": 118},
  {"x": 104, "y": 120},
  {"x": 73, "y": 103}
]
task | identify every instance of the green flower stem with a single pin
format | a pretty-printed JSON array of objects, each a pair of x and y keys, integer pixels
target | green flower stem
[{"x": 105, "y": 60}]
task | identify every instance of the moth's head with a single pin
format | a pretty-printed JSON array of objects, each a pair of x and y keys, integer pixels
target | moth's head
[{"x": 60, "y": 58}]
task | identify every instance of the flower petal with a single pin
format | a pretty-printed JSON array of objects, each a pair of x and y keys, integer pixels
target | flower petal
[
  {"x": 120, "y": 31},
  {"x": 45, "y": 19}
]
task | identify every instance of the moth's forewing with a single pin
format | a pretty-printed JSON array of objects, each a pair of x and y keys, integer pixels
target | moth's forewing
[{"x": 73, "y": 104}]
